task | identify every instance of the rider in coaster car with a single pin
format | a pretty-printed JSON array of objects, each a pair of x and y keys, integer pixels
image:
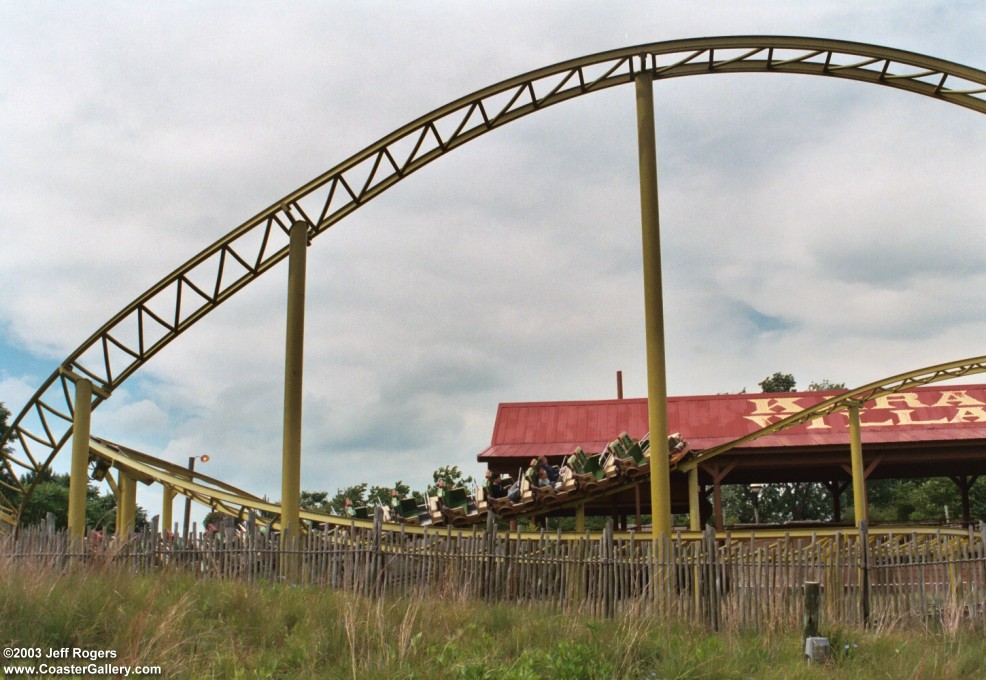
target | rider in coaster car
[
  {"x": 552, "y": 470},
  {"x": 496, "y": 484},
  {"x": 677, "y": 446}
]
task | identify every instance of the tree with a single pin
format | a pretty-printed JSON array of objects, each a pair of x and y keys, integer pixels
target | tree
[
  {"x": 4, "y": 414},
  {"x": 381, "y": 495},
  {"x": 776, "y": 503},
  {"x": 825, "y": 385},
  {"x": 451, "y": 477},
  {"x": 6, "y": 477},
  {"x": 355, "y": 494},
  {"x": 51, "y": 495},
  {"x": 784, "y": 502},
  {"x": 922, "y": 500},
  {"x": 316, "y": 501},
  {"x": 215, "y": 518},
  {"x": 779, "y": 382}
]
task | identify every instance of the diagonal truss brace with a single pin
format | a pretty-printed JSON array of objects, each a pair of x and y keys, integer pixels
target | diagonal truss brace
[{"x": 159, "y": 315}]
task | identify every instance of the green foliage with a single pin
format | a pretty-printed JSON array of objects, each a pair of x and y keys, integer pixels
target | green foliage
[
  {"x": 365, "y": 495},
  {"x": 4, "y": 415},
  {"x": 101, "y": 510},
  {"x": 779, "y": 382},
  {"x": 51, "y": 495},
  {"x": 787, "y": 502},
  {"x": 5, "y": 475},
  {"x": 922, "y": 500},
  {"x": 356, "y": 495},
  {"x": 777, "y": 503},
  {"x": 213, "y": 517},
  {"x": 592, "y": 522},
  {"x": 451, "y": 477},
  {"x": 890, "y": 500},
  {"x": 382, "y": 495},
  {"x": 317, "y": 501},
  {"x": 824, "y": 385}
]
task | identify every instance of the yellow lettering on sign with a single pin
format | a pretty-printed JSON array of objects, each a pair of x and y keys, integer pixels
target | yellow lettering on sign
[
  {"x": 972, "y": 414},
  {"x": 907, "y": 399},
  {"x": 819, "y": 424},
  {"x": 776, "y": 405},
  {"x": 763, "y": 421},
  {"x": 957, "y": 398},
  {"x": 905, "y": 419}
]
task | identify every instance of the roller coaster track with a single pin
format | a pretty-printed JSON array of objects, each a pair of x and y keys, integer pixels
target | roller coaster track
[
  {"x": 133, "y": 336},
  {"x": 236, "y": 503},
  {"x": 841, "y": 402}
]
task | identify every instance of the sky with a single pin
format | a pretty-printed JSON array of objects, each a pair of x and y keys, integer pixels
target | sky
[{"x": 828, "y": 229}]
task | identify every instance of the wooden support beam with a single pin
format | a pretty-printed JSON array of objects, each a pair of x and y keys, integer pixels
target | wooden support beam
[{"x": 718, "y": 473}]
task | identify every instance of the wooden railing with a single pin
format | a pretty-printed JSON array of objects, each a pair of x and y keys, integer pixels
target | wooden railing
[{"x": 885, "y": 579}]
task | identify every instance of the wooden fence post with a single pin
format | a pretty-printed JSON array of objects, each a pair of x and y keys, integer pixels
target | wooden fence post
[
  {"x": 376, "y": 574},
  {"x": 606, "y": 556},
  {"x": 812, "y": 610},
  {"x": 706, "y": 559},
  {"x": 489, "y": 542},
  {"x": 864, "y": 572}
]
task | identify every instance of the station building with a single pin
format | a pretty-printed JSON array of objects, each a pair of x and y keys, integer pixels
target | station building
[{"x": 923, "y": 432}]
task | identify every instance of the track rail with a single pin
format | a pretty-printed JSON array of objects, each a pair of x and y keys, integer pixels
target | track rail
[
  {"x": 841, "y": 402},
  {"x": 237, "y": 503},
  {"x": 155, "y": 318}
]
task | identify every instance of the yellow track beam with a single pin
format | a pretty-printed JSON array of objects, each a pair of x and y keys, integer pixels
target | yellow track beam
[
  {"x": 657, "y": 391},
  {"x": 528, "y": 93},
  {"x": 79, "y": 471},
  {"x": 293, "y": 374},
  {"x": 858, "y": 473},
  {"x": 892, "y": 385}
]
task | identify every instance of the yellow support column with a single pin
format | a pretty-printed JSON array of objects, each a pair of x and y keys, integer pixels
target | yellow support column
[
  {"x": 126, "y": 504},
  {"x": 167, "y": 505},
  {"x": 858, "y": 474},
  {"x": 657, "y": 393},
  {"x": 119, "y": 491},
  {"x": 580, "y": 517},
  {"x": 694, "y": 516},
  {"x": 79, "y": 471},
  {"x": 293, "y": 373}
]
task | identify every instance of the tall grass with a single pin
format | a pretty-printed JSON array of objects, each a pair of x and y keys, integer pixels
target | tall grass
[{"x": 226, "y": 629}]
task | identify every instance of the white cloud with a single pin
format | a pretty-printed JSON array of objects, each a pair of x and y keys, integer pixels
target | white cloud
[{"x": 823, "y": 228}]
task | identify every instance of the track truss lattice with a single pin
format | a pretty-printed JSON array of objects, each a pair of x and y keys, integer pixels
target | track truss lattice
[{"x": 133, "y": 336}]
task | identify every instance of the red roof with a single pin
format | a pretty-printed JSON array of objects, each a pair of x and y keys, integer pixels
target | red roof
[{"x": 924, "y": 414}]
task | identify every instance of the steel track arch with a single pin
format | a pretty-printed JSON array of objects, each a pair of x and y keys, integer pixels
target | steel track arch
[{"x": 135, "y": 334}]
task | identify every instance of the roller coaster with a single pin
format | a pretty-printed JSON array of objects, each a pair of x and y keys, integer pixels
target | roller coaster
[{"x": 122, "y": 345}]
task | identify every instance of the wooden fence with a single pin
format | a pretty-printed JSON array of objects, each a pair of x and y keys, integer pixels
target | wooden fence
[{"x": 754, "y": 581}]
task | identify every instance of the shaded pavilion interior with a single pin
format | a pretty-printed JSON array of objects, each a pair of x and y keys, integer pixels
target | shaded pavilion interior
[{"x": 923, "y": 432}]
